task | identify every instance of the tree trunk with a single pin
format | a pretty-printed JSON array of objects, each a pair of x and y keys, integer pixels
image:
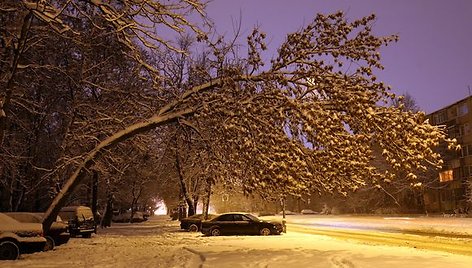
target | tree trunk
[
  {"x": 90, "y": 158},
  {"x": 195, "y": 204},
  {"x": 183, "y": 185},
  {"x": 134, "y": 202},
  {"x": 95, "y": 196},
  {"x": 165, "y": 115},
  {"x": 206, "y": 205},
  {"x": 108, "y": 215}
]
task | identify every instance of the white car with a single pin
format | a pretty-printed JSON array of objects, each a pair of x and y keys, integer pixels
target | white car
[
  {"x": 17, "y": 237},
  {"x": 308, "y": 211}
]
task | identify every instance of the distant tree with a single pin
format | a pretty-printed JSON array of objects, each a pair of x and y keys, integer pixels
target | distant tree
[{"x": 406, "y": 102}]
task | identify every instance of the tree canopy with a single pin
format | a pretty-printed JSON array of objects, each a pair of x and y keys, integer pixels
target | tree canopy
[{"x": 308, "y": 120}]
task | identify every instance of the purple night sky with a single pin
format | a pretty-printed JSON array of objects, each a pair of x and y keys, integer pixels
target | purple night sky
[{"x": 432, "y": 61}]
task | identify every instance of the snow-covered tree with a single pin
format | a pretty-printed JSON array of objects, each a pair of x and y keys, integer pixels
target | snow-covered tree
[
  {"x": 306, "y": 121},
  {"x": 310, "y": 123}
]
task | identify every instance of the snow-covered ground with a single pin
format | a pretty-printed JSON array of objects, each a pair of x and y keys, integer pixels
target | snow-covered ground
[{"x": 159, "y": 243}]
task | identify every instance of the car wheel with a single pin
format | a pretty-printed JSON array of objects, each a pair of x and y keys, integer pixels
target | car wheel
[
  {"x": 265, "y": 231},
  {"x": 87, "y": 235},
  {"x": 50, "y": 244},
  {"x": 215, "y": 232},
  {"x": 193, "y": 228},
  {"x": 9, "y": 250}
]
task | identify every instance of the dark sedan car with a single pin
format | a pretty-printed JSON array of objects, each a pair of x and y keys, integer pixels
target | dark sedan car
[
  {"x": 239, "y": 224},
  {"x": 193, "y": 223}
]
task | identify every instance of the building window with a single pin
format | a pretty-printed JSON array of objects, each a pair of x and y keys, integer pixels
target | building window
[
  {"x": 446, "y": 175},
  {"x": 453, "y": 112},
  {"x": 464, "y": 129},
  {"x": 466, "y": 171},
  {"x": 462, "y": 109},
  {"x": 440, "y": 117},
  {"x": 456, "y": 173},
  {"x": 453, "y": 131},
  {"x": 466, "y": 150}
]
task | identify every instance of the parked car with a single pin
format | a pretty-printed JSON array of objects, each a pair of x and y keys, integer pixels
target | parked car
[
  {"x": 308, "y": 211},
  {"x": 57, "y": 233},
  {"x": 193, "y": 223},
  {"x": 241, "y": 224},
  {"x": 80, "y": 220},
  {"x": 287, "y": 212},
  {"x": 138, "y": 216},
  {"x": 266, "y": 213},
  {"x": 17, "y": 237}
]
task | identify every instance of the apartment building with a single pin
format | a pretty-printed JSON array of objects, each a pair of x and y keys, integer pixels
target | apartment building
[{"x": 446, "y": 193}]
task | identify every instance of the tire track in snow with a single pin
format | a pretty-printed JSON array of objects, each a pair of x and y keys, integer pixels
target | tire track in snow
[
  {"x": 341, "y": 262},
  {"x": 200, "y": 255}
]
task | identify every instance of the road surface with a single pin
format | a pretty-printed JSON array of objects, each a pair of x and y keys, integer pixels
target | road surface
[
  {"x": 447, "y": 243},
  {"x": 452, "y": 235}
]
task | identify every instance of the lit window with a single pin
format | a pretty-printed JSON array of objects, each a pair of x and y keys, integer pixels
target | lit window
[{"x": 446, "y": 175}]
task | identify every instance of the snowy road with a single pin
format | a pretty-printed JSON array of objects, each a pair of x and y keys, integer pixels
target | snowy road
[
  {"x": 447, "y": 234},
  {"x": 418, "y": 241},
  {"x": 159, "y": 243},
  {"x": 434, "y": 226}
]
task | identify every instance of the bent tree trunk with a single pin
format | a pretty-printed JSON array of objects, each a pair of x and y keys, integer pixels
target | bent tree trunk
[
  {"x": 81, "y": 171},
  {"x": 166, "y": 115}
]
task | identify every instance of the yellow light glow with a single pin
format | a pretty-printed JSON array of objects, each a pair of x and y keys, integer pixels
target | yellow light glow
[{"x": 161, "y": 208}]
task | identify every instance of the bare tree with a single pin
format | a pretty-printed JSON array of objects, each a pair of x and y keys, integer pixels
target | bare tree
[{"x": 406, "y": 102}]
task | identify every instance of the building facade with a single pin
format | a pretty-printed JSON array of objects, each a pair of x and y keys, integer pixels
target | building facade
[{"x": 448, "y": 190}]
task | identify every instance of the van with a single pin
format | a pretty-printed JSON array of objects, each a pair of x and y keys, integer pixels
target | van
[{"x": 80, "y": 219}]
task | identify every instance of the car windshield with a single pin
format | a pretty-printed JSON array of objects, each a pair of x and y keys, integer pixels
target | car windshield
[
  {"x": 252, "y": 217},
  {"x": 7, "y": 220},
  {"x": 85, "y": 214},
  {"x": 67, "y": 215}
]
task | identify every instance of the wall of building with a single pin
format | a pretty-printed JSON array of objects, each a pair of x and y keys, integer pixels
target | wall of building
[{"x": 448, "y": 193}]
